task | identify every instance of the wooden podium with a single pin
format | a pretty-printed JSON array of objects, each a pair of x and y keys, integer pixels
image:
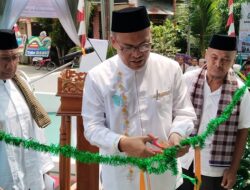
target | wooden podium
[{"x": 70, "y": 86}]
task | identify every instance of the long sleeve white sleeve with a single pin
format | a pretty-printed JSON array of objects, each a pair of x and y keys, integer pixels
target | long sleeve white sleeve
[
  {"x": 183, "y": 111},
  {"x": 95, "y": 129}
]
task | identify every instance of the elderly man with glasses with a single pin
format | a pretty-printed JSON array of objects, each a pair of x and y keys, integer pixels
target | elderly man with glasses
[
  {"x": 19, "y": 168},
  {"x": 133, "y": 99}
]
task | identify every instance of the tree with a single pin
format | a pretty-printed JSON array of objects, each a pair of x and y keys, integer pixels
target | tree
[
  {"x": 223, "y": 9},
  {"x": 181, "y": 20},
  {"x": 165, "y": 37},
  {"x": 204, "y": 20},
  {"x": 59, "y": 37}
]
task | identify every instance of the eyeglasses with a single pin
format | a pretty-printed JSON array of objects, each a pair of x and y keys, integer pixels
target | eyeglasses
[
  {"x": 7, "y": 59},
  {"x": 130, "y": 49}
]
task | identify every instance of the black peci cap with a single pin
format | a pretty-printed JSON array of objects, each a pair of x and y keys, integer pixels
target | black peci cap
[
  {"x": 7, "y": 39},
  {"x": 130, "y": 19},
  {"x": 223, "y": 42}
]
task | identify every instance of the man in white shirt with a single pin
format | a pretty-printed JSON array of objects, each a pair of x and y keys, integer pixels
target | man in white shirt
[
  {"x": 202, "y": 62},
  {"x": 211, "y": 89},
  {"x": 181, "y": 60},
  {"x": 131, "y": 95},
  {"x": 194, "y": 65},
  {"x": 20, "y": 169}
]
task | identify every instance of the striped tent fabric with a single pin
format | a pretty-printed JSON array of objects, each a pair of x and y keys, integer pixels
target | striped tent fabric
[
  {"x": 230, "y": 21},
  {"x": 81, "y": 20}
]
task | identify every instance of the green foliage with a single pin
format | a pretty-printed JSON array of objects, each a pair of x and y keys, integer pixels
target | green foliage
[
  {"x": 203, "y": 17},
  {"x": 111, "y": 51},
  {"x": 164, "y": 38},
  {"x": 198, "y": 20},
  {"x": 204, "y": 20},
  {"x": 74, "y": 49},
  {"x": 223, "y": 10},
  {"x": 181, "y": 19},
  {"x": 243, "y": 177},
  {"x": 59, "y": 37}
]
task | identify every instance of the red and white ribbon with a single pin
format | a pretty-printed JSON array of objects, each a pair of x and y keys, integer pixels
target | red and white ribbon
[
  {"x": 230, "y": 20},
  {"x": 81, "y": 20}
]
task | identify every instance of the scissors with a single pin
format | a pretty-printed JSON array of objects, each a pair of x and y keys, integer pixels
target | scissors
[{"x": 155, "y": 142}]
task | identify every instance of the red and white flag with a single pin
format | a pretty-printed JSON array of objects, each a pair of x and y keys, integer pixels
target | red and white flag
[
  {"x": 230, "y": 20},
  {"x": 16, "y": 30},
  {"x": 81, "y": 20}
]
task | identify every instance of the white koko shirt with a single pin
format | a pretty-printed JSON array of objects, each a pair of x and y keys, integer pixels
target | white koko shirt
[
  {"x": 103, "y": 118},
  {"x": 210, "y": 107},
  {"x": 20, "y": 169}
]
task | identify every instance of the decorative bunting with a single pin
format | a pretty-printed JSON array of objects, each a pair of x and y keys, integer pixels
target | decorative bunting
[{"x": 157, "y": 164}]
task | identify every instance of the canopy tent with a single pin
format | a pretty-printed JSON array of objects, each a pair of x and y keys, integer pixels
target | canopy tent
[{"x": 11, "y": 10}]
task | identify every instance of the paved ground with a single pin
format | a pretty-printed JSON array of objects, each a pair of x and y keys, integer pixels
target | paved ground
[
  {"x": 41, "y": 80},
  {"x": 31, "y": 71}
]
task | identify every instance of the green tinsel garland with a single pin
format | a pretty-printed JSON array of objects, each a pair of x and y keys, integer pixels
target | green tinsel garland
[{"x": 157, "y": 164}]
